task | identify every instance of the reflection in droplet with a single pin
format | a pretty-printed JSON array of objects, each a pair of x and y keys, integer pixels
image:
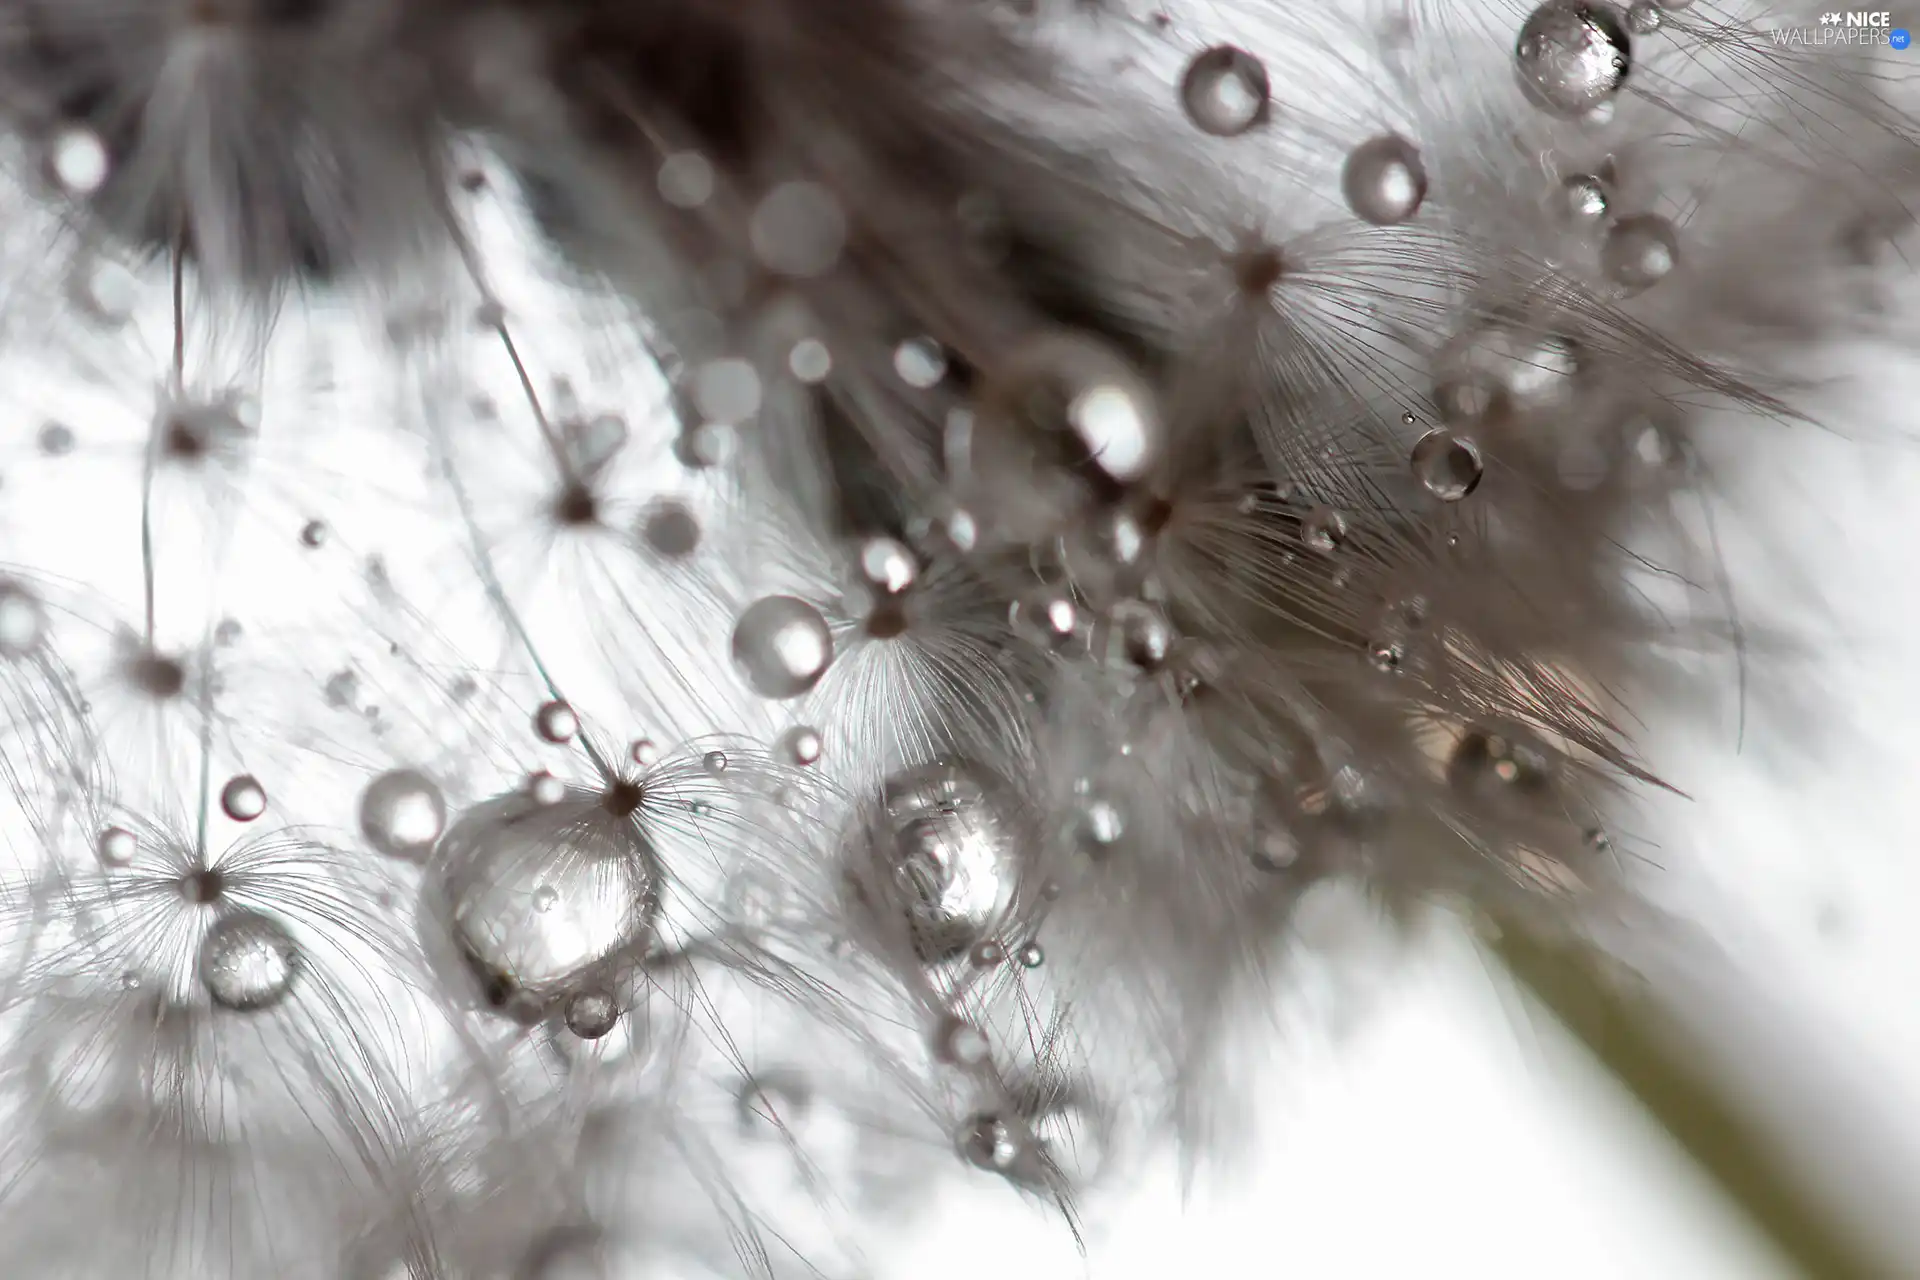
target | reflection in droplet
[
  {"x": 248, "y": 961},
  {"x": 1225, "y": 91},
  {"x": 1447, "y": 465},
  {"x": 556, "y": 722},
  {"x": 953, "y": 857},
  {"x": 1573, "y": 56}
]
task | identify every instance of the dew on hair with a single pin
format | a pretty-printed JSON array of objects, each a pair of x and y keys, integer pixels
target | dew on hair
[
  {"x": 1573, "y": 56},
  {"x": 243, "y": 798},
  {"x": 1585, "y": 200},
  {"x": 77, "y": 160},
  {"x": 990, "y": 1142},
  {"x": 1225, "y": 91},
  {"x": 644, "y": 752},
  {"x": 1384, "y": 181},
  {"x": 1639, "y": 252},
  {"x": 1323, "y": 530},
  {"x": 539, "y": 895},
  {"x": 556, "y": 722},
  {"x": 960, "y": 1043},
  {"x": 1032, "y": 956},
  {"x": 248, "y": 962},
  {"x": 782, "y": 646},
  {"x": 801, "y": 745},
  {"x": 591, "y": 1014},
  {"x": 56, "y": 439},
  {"x": 402, "y": 814},
  {"x": 313, "y": 534},
  {"x": 953, "y": 857},
  {"x": 714, "y": 762},
  {"x": 116, "y": 846},
  {"x": 545, "y": 789},
  {"x": 1448, "y": 466}
]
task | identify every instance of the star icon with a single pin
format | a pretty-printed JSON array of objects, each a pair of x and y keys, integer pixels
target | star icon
[{"x": 1829, "y": 19}]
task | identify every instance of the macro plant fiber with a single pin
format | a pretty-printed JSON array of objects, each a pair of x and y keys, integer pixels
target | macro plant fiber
[{"x": 633, "y": 632}]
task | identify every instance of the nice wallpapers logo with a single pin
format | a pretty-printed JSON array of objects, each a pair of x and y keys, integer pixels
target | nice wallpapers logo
[{"x": 1837, "y": 28}]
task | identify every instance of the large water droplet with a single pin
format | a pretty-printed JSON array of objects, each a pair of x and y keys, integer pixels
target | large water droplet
[
  {"x": 540, "y": 895},
  {"x": 782, "y": 646},
  {"x": 248, "y": 961},
  {"x": 1384, "y": 181},
  {"x": 591, "y": 1014},
  {"x": 953, "y": 857},
  {"x": 1639, "y": 252},
  {"x": 1448, "y": 466},
  {"x": 1573, "y": 56},
  {"x": 243, "y": 798},
  {"x": 1225, "y": 91},
  {"x": 402, "y": 813}
]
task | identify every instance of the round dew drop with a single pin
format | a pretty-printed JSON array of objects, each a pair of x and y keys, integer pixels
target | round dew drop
[
  {"x": 1384, "y": 181},
  {"x": 591, "y": 1014},
  {"x": 1639, "y": 252},
  {"x": 1446, "y": 465},
  {"x": 556, "y": 722},
  {"x": 1225, "y": 91},
  {"x": 243, "y": 798},
  {"x": 782, "y": 646},
  {"x": 1573, "y": 56},
  {"x": 402, "y": 813},
  {"x": 248, "y": 961}
]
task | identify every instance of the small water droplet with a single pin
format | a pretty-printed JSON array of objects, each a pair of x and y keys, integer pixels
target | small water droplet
[
  {"x": 248, "y": 962},
  {"x": 1639, "y": 252},
  {"x": 556, "y": 722},
  {"x": 313, "y": 533},
  {"x": 801, "y": 745},
  {"x": 545, "y": 789},
  {"x": 1031, "y": 956},
  {"x": 810, "y": 361},
  {"x": 1447, "y": 465},
  {"x": 990, "y": 1142},
  {"x": 591, "y": 1014},
  {"x": 1323, "y": 530},
  {"x": 644, "y": 752},
  {"x": 715, "y": 762},
  {"x": 23, "y": 620},
  {"x": 920, "y": 363},
  {"x": 243, "y": 798},
  {"x": 116, "y": 846},
  {"x": 1225, "y": 91},
  {"x": 402, "y": 813},
  {"x": 544, "y": 898},
  {"x": 1384, "y": 180},
  {"x": 1643, "y": 18},
  {"x": 961, "y": 1044}
]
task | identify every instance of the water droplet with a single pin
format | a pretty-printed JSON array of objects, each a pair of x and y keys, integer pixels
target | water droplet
[
  {"x": 990, "y": 1142},
  {"x": 644, "y": 752},
  {"x": 801, "y": 745},
  {"x": 539, "y": 895},
  {"x": 1102, "y": 824},
  {"x": 727, "y": 391},
  {"x": 961, "y": 1044},
  {"x": 1032, "y": 956},
  {"x": 798, "y": 230},
  {"x": 1585, "y": 200},
  {"x": 1448, "y": 466},
  {"x": 1045, "y": 616},
  {"x": 954, "y": 857},
  {"x": 670, "y": 529},
  {"x": 1573, "y": 56},
  {"x": 77, "y": 160},
  {"x": 782, "y": 646},
  {"x": 545, "y": 789},
  {"x": 313, "y": 533},
  {"x": 1323, "y": 530},
  {"x": 248, "y": 961},
  {"x": 243, "y": 798},
  {"x": 1639, "y": 252},
  {"x": 116, "y": 846},
  {"x": 810, "y": 361},
  {"x": 591, "y": 1014},
  {"x": 1384, "y": 180},
  {"x": 686, "y": 180},
  {"x": 402, "y": 813},
  {"x": 920, "y": 363},
  {"x": 341, "y": 689},
  {"x": 714, "y": 762},
  {"x": 987, "y": 954},
  {"x": 1225, "y": 91},
  {"x": 56, "y": 439},
  {"x": 888, "y": 565},
  {"x": 556, "y": 722},
  {"x": 1643, "y": 19},
  {"x": 23, "y": 620}
]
